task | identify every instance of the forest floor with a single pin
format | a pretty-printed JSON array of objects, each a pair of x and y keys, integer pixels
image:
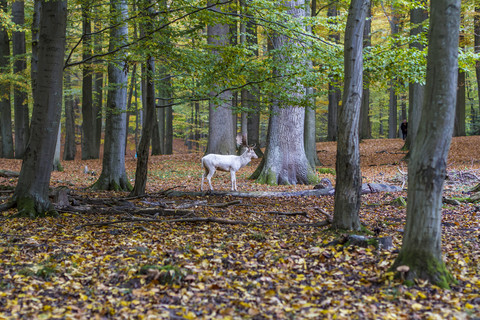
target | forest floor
[{"x": 108, "y": 256}]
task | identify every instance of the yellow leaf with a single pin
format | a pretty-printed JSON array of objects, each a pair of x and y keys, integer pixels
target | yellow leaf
[
  {"x": 417, "y": 306},
  {"x": 468, "y": 306}
]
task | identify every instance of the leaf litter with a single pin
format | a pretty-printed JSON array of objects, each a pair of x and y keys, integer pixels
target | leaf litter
[{"x": 276, "y": 267}]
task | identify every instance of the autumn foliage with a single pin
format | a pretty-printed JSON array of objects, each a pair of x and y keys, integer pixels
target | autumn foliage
[{"x": 195, "y": 256}]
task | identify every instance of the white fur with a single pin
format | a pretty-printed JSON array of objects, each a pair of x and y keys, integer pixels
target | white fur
[{"x": 212, "y": 162}]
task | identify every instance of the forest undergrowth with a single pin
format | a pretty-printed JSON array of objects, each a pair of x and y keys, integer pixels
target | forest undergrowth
[{"x": 108, "y": 256}]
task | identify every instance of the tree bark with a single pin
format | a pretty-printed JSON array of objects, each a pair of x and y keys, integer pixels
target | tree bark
[
  {"x": 113, "y": 176},
  {"x": 285, "y": 161},
  {"x": 144, "y": 145},
  {"x": 459, "y": 126},
  {"x": 31, "y": 193},
  {"x": 392, "y": 102},
  {"x": 349, "y": 180},
  {"x": 97, "y": 102},
  {"x": 477, "y": 51},
  {"x": 221, "y": 138},
  {"x": 365, "y": 131},
  {"x": 334, "y": 93},
  {"x": 20, "y": 96},
  {"x": 415, "y": 90},
  {"x": 88, "y": 115},
  {"x": 70, "y": 148},
  {"x": 421, "y": 248},
  {"x": 5, "y": 108}
]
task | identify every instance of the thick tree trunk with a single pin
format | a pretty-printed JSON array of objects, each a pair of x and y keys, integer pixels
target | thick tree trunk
[
  {"x": 88, "y": 114},
  {"x": 421, "y": 248},
  {"x": 20, "y": 96},
  {"x": 349, "y": 180},
  {"x": 5, "y": 108},
  {"x": 31, "y": 193},
  {"x": 365, "y": 131},
  {"x": 221, "y": 138},
  {"x": 35, "y": 38},
  {"x": 285, "y": 161},
  {"x": 113, "y": 176},
  {"x": 70, "y": 148},
  {"x": 415, "y": 90}
]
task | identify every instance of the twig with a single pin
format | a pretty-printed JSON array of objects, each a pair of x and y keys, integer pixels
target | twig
[{"x": 329, "y": 217}]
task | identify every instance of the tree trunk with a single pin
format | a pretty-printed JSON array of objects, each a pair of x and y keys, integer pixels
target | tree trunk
[
  {"x": 70, "y": 148},
  {"x": 31, "y": 193},
  {"x": 221, "y": 138},
  {"x": 459, "y": 126},
  {"x": 35, "y": 38},
  {"x": 5, "y": 108},
  {"x": 392, "y": 102},
  {"x": 144, "y": 145},
  {"x": 88, "y": 115},
  {"x": 168, "y": 130},
  {"x": 113, "y": 176},
  {"x": 20, "y": 96},
  {"x": 415, "y": 90},
  {"x": 421, "y": 248},
  {"x": 310, "y": 136},
  {"x": 349, "y": 180},
  {"x": 285, "y": 161},
  {"x": 334, "y": 93},
  {"x": 56, "y": 164},
  {"x": 97, "y": 103},
  {"x": 477, "y": 51},
  {"x": 365, "y": 131}
]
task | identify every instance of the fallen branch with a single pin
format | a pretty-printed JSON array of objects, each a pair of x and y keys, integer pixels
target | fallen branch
[
  {"x": 208, "y": 219},
  {"x": 299, "y": 213},
  {"x": 223, "y": 205},
  {"x": 9, "y": 174}
]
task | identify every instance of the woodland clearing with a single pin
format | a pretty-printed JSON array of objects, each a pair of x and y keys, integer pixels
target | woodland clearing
[{"x": 222, "y": 257}]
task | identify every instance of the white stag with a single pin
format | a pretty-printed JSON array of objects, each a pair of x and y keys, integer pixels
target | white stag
[{"x": 212, "y": 162}]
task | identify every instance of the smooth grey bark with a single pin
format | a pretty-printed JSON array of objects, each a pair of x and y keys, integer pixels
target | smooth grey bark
[
  {"x": 349, "y": 180},
  {"x": 168, "y": 130},
  {"x": 37, "y": 11},
  {"x": 113, "y": 176},
  {"x": 415, "y": 90},
  {"x": 31, "y": 192},
  {"x": 70, "y": 148},
  {"x": 285, "y": 161},
  {"x": 56, "y": 164},
  {"x": 20, "y": 97},
  {"x": 310, "y": 133},
  {"x": 88, "y": 114},
  {"x": 221, "y": 138},
  {"x": 5, "y": 108},
  {"x": 97, "y": 102},
  {"x": 459, "y": 125},
  {"x": 365, "y": 130},
  {"x": 392, "y": 102},
  {"x": 334, "y": 93},
  {"x": 422, "y": 248}
]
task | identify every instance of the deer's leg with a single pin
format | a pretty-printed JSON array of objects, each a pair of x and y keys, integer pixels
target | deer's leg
[
  {"x": 234, "y": 180},
  {"x": 203, "y": 178},
  {"x": 209, "y": 177}
]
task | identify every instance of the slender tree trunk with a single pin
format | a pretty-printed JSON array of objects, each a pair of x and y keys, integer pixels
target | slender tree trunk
[
  {"x": 56, "y": 164},
  {"x": 310, "y": 133},
  {"x": 349, "y": 180},
  {"x": 5, "y": 108},
  {"x": 98, "y": 90},
  {"x": 365, "y": 126},
  {"x": 477, "y": 51},
  {"x": 416, "y": 90},
  {"x": 20, "y": 95},
  {"x": 70, "y": 148},
  {"x": 168, "y": 130},
  {"x": 31, "y": 193},
  {"x": 144, "y": 145},
  {"x": 113, "y": 176},
  {"x": 334, "y": 93},
  {"x": 459, "y": 125},
  {"x": 88, "y": 115},
  {"x": 392, "y": 104},
  {"x": 421, "y": 248}
]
